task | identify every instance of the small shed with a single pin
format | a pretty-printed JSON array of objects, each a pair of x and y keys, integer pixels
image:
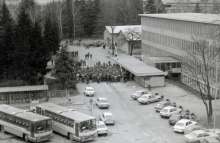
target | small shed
[
  {"x": 23, "y": 94},
  {"x": 145, "y": 75}
]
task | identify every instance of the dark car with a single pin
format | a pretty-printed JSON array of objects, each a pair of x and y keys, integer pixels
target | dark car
[{"x": 175, "y": 118}]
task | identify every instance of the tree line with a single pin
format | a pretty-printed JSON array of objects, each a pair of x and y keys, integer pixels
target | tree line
[{"x": 26, "y": 44}]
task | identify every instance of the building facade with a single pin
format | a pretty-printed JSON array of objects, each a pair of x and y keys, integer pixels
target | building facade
[
  {"x": 180, "y": 6},
  {"x": 172, "y": 35}
]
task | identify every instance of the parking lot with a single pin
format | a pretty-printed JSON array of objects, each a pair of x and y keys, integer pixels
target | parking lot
[{"x": 135, "y": 123}]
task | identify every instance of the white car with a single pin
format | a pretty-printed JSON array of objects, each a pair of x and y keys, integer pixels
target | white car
[
  {"x": 198, "y": 135},
  {"x": 89, "y": 91},
  {"x": 107, "y": 118},
  {"x": 101, "y": 128},
  {"x": 138, "y": 94},
  {"x": 182, "y": 124},
  {"x": 192, "y": 128},
  {"x": 102, "y": 103},
  {"x": 166, "y": 112},
  {"x": 144, "y": 98}
]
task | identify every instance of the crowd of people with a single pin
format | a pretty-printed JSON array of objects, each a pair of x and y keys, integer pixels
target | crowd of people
[{"x": 101, "y": 72}]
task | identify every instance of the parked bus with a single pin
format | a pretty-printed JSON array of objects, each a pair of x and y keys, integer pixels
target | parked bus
[
  {"x": 27, "y": 125},
  {"x": 75, "y": 125}
]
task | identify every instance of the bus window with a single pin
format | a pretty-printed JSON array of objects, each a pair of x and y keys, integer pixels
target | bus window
[
  {"x": 42, "y": 126},
  {"x": 87, "y": 125}
]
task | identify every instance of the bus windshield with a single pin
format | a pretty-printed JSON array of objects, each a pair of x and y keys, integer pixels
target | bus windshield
[
  {"x": 87, "y": 125},
  {"x": 42, "y": 126}
]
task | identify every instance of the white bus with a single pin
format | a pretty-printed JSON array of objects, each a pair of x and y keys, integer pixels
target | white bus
[
  {"x": 27, "y": 125},
  {"x": 75, "y": 125}
]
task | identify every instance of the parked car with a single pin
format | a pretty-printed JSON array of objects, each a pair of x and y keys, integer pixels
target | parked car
[
  {"x": 89, "y": 91},
  {"x": 138, "y": 94},
  {"x": 197, "y": 136},
  {"x": 161, "y": 105},
  {"x": 210, "y": 139},
  {"x": 182, "y": 124},
  {"x": 102, "y": 103},
  {"x": 174, "y": 118},
  {"x": 107, "y": 118},
  {"x": 144, "y": 99},
  {"x": 192, "y": 128},
  {"x": 101, "y": 128},
  {"x": 182, "y": 115},
  {"x": 166, "y": 112},
  {"x": 155, "y": 98}
]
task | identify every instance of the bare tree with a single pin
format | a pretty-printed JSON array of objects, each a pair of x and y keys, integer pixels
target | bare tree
[{"x": 201, "y": 63}]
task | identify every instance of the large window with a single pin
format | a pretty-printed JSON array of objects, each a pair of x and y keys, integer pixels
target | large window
[
  {"x": 87, "y": 125},
  {"x": 42, "y": 126}
]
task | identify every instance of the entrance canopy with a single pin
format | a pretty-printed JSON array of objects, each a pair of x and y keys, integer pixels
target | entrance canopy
[{"x": 136, "y": 67}]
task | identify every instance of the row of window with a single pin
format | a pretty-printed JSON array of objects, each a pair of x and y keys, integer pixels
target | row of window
[
  {"x": 193, "y": 84},
  {"x": 15, "y": 120},
  {"x": 188, "y": 46},
  {"x": 56, "y": 117},
  {"x": 180, "y": 26}
]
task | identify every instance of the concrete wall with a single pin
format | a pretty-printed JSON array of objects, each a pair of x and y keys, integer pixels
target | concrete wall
[{"x": 153, "y": 81}]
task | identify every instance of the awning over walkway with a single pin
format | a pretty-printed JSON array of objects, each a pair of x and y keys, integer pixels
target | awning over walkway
[
  {"x": 162, "y": 59},
  {"x": 136, "y": 67},
  {"x": 23, "y": 88}
]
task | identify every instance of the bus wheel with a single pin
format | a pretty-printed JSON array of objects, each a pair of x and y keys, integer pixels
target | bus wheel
[
  {"x": 70, "y": 136},
  {"x": 25, "y": 137},
  {"x": 2, "y": 128}
]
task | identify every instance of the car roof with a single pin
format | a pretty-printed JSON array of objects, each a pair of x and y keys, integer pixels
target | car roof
[
  {"x": 199, "y": 131},
  {"x": 102, "y": 98},
  {"x": 107, "y": 113},
  {"x": 142, "y": 90},
  {"x": 148, "y": 94},
  {"x": 183, "y": 120},
  {"x": 89, "y": 87},
  {"x": 169, "y": 107}
]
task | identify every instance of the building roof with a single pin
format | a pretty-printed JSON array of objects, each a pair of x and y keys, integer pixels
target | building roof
[
  {"x": 23, "y": 88},
  {"x": 163, "y": 60},
  {"x": 123, "y": 28},
  {"x": 136, "y": 67},
  {"x": 180, "y": 1},
  {"x": 67, "y": 112},
  {"x": 190, "y": 17},
  {"x": 21, "y": 113}
]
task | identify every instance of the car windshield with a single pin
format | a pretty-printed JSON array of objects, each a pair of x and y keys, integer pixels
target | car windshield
[
  {"x": 180, "y": 124},
  {"x": 108, "y": 117},
  {"x": 101, "y": 126},
  {"x": 175, "y": 117},
  {"x": 90, "y": 89},
  {"x": 165, "y": 110},
  {"x": 103, "y": 100},
  {"x": 87, "y": 125}
]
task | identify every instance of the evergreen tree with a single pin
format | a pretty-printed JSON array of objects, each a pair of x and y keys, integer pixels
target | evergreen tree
[
  {"x": 150, "y": 7},
  {"x": 23, "y": 45},
  {"x": 67, "y": 18},
  {"x": 6, "y": 43},
  {"x": 51, "y": 36},
  {"x": 66, "y": 68},
  {"x": 197, "y": 8},
  {"x": 38, "y": 57}
]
